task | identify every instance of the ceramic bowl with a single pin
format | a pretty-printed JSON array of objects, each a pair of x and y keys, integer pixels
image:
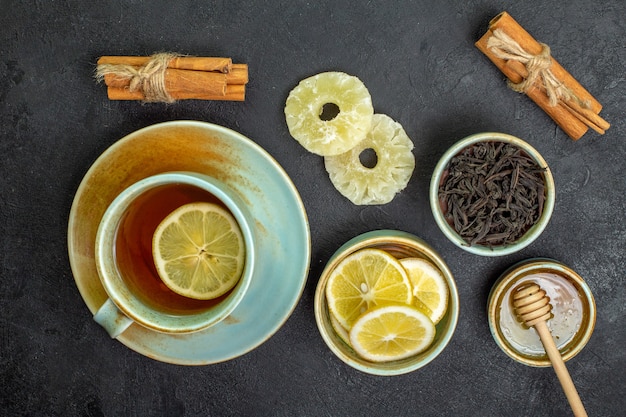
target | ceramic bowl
[
  {"x": 440, "y": 171},
  {"x": 400, "y": 245},
  {"x": 573, "y": 311}
]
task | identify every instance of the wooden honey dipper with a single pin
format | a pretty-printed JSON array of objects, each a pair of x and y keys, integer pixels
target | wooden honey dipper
[{"x": 533, "y": 308}]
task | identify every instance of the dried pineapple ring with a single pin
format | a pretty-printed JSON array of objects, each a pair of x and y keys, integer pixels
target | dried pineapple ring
[
  {"x": 394, "y": 166},
  {"x": 334, "y": 134}
]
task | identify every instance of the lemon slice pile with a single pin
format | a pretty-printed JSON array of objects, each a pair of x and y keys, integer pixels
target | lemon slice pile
[
  {"x": 199, "y": 251},
  {"x": 342, "y": 135},
  {"x": 384, "y": 308}
]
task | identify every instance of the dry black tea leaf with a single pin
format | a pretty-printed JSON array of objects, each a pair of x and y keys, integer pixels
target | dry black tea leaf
[{"x": 492, "y": 193}]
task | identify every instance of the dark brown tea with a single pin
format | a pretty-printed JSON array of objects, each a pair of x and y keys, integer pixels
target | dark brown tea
[
  {"x": 134, "y": 247},
  {"x": 492, "y": 193}
]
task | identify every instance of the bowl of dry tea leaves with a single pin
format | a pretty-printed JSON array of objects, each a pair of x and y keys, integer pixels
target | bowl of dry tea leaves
[{"x": 492, "y": 194}]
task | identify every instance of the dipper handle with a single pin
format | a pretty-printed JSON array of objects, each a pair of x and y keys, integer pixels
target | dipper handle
[{"x": 533, "y": 307}]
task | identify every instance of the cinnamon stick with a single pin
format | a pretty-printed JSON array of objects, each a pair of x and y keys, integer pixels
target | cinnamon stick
[
  {"x": 217, "y": 64},
  {"x": 587, "y": 116},
  {"x": 234, "y": 92},
  {"x": 166, "y": 77},
  {"x": 182, "y": 81},
  {"x": 570, "y": 117},
  {"x": 237, "y": 75}
]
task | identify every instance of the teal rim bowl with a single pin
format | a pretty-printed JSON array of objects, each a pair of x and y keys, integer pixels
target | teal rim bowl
[
  {"x": 400, "y": 245},
  {"x": 500, "y": 250}
]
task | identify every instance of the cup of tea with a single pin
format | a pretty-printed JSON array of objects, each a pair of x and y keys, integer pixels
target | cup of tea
[{"x": 125, "y": 261}]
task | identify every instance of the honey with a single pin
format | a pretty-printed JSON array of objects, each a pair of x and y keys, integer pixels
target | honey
[
  {"x": 567, "y": 315},
  {"x": 572, "y": 317}
]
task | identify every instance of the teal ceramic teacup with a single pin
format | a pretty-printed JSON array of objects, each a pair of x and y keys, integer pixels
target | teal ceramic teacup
[{"x": 123, "y": 254}]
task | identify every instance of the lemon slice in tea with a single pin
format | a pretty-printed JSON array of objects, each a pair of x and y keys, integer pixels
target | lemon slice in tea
[
  {"x": 366, "y": 278},
  {"x": 199, "y": 251},
  {"x": 391, "y": 332}
]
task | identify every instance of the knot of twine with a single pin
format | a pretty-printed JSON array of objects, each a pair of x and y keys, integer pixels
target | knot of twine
[
  {"x": 538, "y": 67},
  {"x": 149, "y": 78}
]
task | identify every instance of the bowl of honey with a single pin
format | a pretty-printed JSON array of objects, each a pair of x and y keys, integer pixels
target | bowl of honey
[{"x": 573, "y": 311}]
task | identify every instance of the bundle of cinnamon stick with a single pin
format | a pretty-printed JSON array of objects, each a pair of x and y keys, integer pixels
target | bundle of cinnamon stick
[
  {"x": 169, "y": 77},
  {"x": 517, "y": 54}
]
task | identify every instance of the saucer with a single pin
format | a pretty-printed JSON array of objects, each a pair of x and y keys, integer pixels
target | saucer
[{"x": 283, "y": 234}]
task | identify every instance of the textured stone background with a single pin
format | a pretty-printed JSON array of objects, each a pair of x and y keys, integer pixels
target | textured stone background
[{"x": 418, "y": 61}]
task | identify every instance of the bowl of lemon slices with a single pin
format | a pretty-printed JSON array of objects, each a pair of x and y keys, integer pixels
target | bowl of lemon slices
[{"x": 386, "y": 303}]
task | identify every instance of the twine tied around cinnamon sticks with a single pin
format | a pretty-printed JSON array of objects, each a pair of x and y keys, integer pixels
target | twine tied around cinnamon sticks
[
  {"x": 538, "y": 67},
  {"x": 149, "y": 78},
  {"x": 532, "y": 70},
  {"x": 167, "y": 77}
]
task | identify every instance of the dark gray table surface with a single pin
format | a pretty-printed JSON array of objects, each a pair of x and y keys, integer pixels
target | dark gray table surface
[{"x": 421, "y": 67}]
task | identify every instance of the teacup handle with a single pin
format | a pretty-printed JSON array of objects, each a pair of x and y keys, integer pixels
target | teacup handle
[{"x": 112, "y": 319}]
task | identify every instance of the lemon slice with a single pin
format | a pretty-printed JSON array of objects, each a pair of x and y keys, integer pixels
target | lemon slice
[
  {"x": 430, "y": 289},
  {"x": 331, "y": 132},
  {"x": 391, "y": 332},
  {"x": 363, "y": 279},
  {"x": 340, "y": 330},
  {"x": 198, "y": 251}
]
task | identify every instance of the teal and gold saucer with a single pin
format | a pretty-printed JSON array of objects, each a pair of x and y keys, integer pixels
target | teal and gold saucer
[{"x": 284, "y": 242}]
